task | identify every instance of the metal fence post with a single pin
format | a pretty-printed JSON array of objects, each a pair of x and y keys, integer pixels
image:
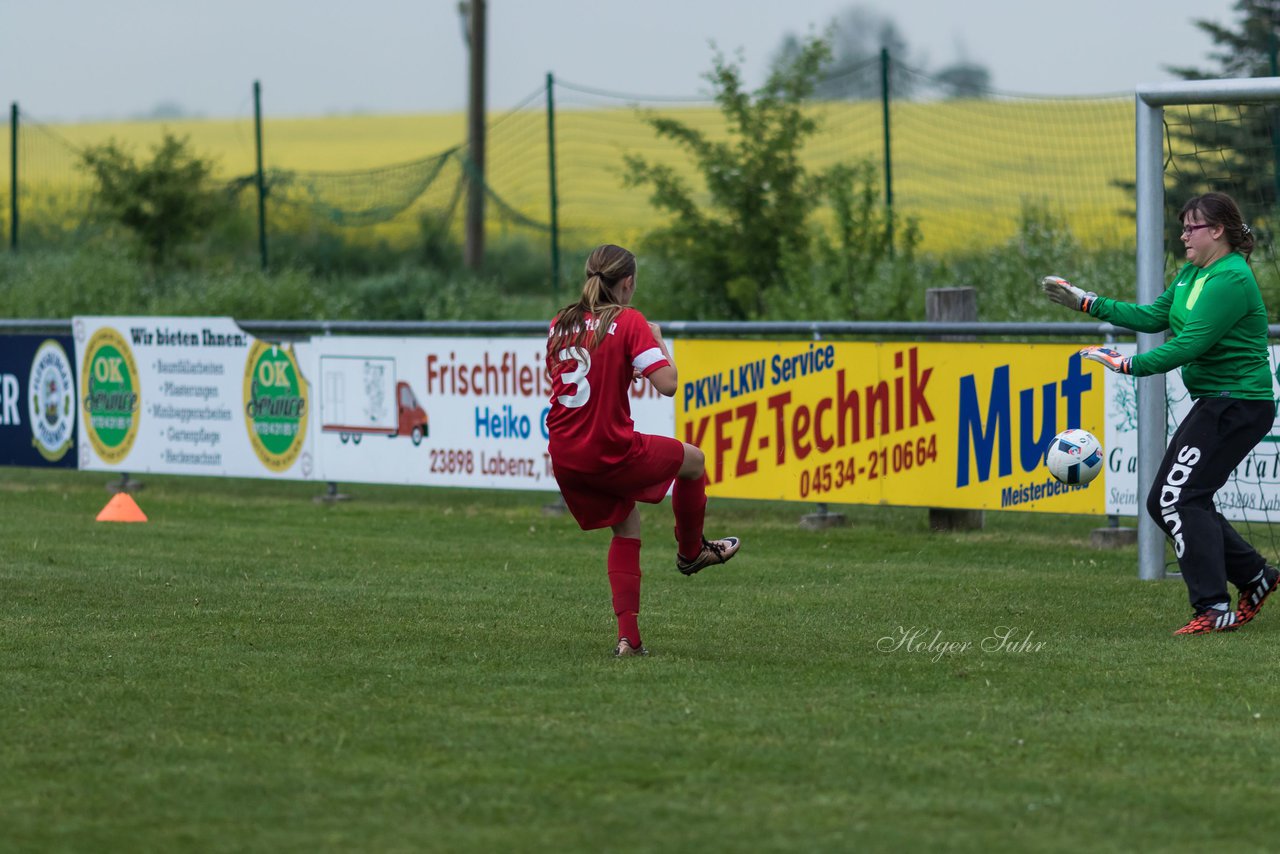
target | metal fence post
[
  {"x": 554, "y": 200},
  {"x": 13, "y": 177},
  {"x": 888, "y": 159},
  {"x": 261, "y": 179}
]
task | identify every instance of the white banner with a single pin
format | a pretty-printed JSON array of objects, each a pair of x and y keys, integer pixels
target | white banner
[
  {"x": 441, "y": 411},
  {"x": 188, "y": 395},
  {"x": 1253, "y": 492}
]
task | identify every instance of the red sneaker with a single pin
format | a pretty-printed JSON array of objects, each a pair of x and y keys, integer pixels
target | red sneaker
[
  {"x": 1253, "y": 595},
  {"x": 1210, "y": 620}
]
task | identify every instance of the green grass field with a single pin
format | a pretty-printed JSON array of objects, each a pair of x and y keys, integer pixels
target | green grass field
[{"x": 429, "y": 670}]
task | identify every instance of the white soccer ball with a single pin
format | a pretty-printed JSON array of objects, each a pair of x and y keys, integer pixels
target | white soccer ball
[{"x": 1074, "y": 457}]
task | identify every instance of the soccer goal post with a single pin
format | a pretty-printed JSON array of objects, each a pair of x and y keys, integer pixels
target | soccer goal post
[{"x": 1150, "y": 135}]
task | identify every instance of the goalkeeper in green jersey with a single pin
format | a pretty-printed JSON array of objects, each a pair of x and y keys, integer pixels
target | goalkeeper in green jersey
[{"x": 1214, "y": 310}]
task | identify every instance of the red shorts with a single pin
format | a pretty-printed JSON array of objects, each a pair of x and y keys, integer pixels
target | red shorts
[{"x": 603, "y": 499}]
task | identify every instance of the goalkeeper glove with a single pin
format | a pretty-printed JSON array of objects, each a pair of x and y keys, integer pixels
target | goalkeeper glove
[
  {"x": 1063, "y": 292},
  {"x": 1113, "y": 359}
]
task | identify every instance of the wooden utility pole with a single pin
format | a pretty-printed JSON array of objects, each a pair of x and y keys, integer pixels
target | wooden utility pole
[{"x": 475, "y": 134}]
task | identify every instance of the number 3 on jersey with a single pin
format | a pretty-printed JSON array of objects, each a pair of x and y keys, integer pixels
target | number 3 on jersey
[{"x": 576, "y": 377}]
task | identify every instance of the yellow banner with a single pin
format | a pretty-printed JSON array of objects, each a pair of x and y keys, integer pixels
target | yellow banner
[{"x": 954, "y": 425}]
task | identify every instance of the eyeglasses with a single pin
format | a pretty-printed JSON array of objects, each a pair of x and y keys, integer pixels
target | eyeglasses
[{"x": 1192, "y": 229}]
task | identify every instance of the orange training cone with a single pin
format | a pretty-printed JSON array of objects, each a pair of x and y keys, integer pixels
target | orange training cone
[{"x": 122, "y": 508}]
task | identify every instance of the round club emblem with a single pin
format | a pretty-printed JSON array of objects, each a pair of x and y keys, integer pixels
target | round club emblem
[
  {"x": 275, "y": 405},
  {"x": 51, "y": 401},
  {"x": 110, "y": 395}
]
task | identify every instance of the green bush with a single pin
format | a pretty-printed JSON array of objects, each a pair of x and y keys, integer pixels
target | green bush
[
  {"x": 1007, "y": 277},
  {"x": 323, "y": 249},
  {"x": 759, "y": 196},
  {"x": 40, "y": 285},
  {"x": 850, "y": 275},
  {"x": 862, "y": 267},
  {"x": 165, "y": 203},
  {"x": 59, "y": 284}
]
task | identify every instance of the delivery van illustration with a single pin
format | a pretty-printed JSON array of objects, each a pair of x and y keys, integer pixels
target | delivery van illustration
[{"x": 361, "y": 395}]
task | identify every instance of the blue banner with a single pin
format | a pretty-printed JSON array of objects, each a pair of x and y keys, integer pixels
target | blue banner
[{"x": 38, "y": 403}]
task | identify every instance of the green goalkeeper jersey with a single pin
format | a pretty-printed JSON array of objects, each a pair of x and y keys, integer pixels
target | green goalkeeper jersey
[{"x": 1219, "y": 327}]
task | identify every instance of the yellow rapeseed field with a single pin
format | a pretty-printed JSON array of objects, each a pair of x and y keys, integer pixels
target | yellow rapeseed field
[{"x": 964, "y": 170}]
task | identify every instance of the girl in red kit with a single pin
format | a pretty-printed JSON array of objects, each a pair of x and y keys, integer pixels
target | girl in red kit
[{"x": 596, "y": 347}]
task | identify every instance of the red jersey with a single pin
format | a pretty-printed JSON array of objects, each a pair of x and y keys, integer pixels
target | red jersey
[{"x": 590, "y": 419}]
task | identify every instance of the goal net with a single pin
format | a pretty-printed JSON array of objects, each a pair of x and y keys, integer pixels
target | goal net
[{"x": 1194, "y": 137}]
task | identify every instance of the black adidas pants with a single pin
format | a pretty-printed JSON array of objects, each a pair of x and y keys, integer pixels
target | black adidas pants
[{"x": 1217, "y": 434}]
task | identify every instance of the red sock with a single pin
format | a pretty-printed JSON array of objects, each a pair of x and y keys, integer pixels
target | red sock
[
  {"x": 624, "y": 581},
  {"x": 689, "y": 501}
]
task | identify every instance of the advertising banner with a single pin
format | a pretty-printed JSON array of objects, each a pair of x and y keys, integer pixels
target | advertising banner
[
  {"x": 951, "y": 425},
  {"x": 958, "y": 425},
  {"x": 190, "y": 395},
  {"x": 37, "y": 401},
  {"x": 441, "y": 411}
]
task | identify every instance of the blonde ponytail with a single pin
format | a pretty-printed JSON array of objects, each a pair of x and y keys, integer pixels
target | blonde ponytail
[{"x": 606, "y": 268}]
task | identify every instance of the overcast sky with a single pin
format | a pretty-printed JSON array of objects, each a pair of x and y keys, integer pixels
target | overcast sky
[{"x": 72, "y": 60}]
